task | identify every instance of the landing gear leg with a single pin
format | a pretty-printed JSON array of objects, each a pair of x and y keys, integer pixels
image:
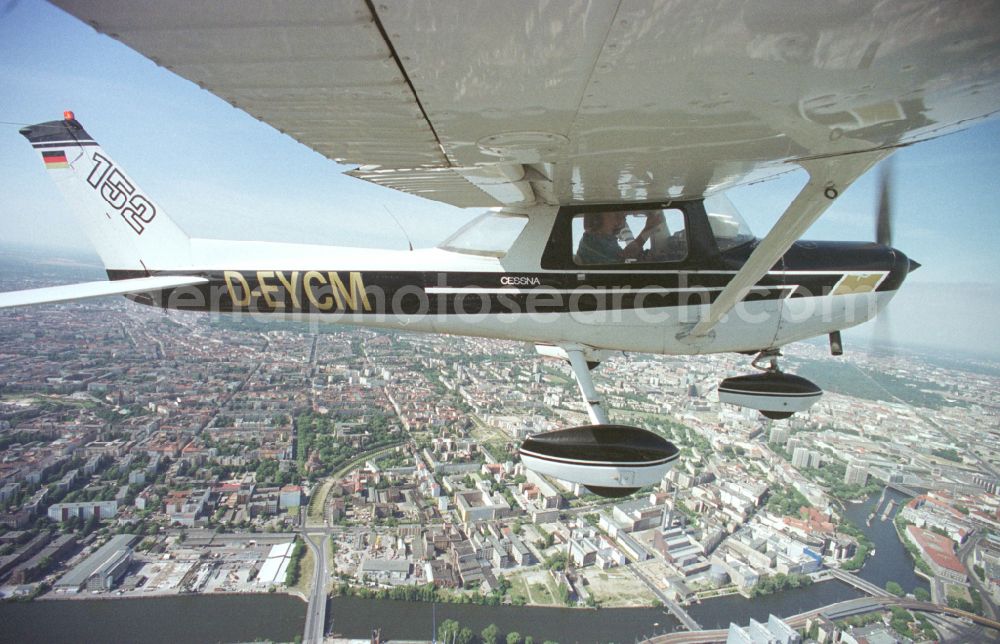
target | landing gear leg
[
  {"x": 582, "y": 359},
  {"x": 592, "y": 399},
  {"x": 771, "y": 356}
]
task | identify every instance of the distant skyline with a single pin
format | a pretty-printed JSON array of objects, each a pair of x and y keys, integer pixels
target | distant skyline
[{"x": 220, "y": 173}]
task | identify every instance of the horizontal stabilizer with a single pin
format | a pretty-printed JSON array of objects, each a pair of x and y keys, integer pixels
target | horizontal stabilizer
[{"x": 88, "y": 290}]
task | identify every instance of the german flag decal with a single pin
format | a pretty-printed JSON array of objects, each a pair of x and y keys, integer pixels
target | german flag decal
[{"x": 55, "y": 160}]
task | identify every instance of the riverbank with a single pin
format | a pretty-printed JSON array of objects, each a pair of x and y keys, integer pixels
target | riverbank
[
  {"x": 353, "y": 617},
  {"x": 74, "y": 597}
]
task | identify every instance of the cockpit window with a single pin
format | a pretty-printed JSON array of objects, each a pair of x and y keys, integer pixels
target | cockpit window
[
  {"x": 726, "y": 223},
  {"x": 490, "y": 234},
  {"x": 628, "y": 237}
]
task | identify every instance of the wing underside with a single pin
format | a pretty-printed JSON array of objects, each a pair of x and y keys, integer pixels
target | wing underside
[{"x": 484, "y": 103}]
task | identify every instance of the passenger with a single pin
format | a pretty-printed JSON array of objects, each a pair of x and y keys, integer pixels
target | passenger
[{"x": 600, "y": 242}]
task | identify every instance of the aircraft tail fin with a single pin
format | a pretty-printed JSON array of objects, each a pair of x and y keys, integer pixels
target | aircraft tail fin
[{"x": 130, "y": 232}]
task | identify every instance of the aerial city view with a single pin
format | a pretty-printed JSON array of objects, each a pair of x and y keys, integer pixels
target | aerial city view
[
  {"x": 153, "y": 454},
  {"x": 447, "y": 321}
]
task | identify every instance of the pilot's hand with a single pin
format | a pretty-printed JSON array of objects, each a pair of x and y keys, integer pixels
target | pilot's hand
[{"x": 653, "y": 221}]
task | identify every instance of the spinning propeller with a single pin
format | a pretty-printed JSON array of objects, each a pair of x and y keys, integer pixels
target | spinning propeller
[{"x": 882, "y": 333}]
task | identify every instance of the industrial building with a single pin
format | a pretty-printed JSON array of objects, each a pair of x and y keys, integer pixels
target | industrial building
[
  {"x": 33, "y": 568},
  {"x": 275, "y": 567},
  {"x": 386, "y": 571},
  {"x": 101, "y": 570}
]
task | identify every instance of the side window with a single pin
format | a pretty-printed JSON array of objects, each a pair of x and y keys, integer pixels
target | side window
[
  {"x": 490, "y": 234},
  {"x": 628, "y": 237}
]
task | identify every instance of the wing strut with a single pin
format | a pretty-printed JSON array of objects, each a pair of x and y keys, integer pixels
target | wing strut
[{"x": 828, "y": 178}]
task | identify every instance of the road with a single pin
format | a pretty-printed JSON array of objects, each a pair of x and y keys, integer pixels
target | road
[
  {"x": 965, "y": 555},
  {"x": 671, "y": 605},
  {"x": 316, "y": 612}
]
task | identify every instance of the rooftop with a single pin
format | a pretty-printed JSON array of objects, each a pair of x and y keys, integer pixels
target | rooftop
[
  {"x": 79, "y": 574},
  {"x": 386, "y": 565},
  {"x": 937, "y": 547}
]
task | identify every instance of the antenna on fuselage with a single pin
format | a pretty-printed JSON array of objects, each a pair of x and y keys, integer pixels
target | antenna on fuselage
[{"x": 400, "y": 226}]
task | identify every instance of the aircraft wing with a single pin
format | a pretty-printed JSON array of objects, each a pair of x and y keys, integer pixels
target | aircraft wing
[
  {"x": 485, "y": 103},
  {"x": 89, "y": 290}
]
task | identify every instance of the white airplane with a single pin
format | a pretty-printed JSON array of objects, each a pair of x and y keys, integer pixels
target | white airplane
[{"x": 601, "y": 135}]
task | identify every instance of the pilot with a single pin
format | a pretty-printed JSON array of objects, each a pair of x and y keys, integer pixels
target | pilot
[{"x": 600, "y": 242}]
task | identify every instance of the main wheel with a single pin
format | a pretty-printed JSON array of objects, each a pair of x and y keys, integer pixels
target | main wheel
[{"x": 612, "y": 492}]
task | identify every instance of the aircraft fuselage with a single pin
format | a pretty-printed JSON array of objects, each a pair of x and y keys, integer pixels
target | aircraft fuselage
[{"x": 818, "y": 288}]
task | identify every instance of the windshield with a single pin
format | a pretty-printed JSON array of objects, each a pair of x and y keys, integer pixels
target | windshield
[
  {"x": 727, "y": 224},
  {"x": 490, "y": 234}
]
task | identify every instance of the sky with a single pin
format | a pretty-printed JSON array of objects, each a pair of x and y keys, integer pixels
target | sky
[{"x": 219, "y": 172}]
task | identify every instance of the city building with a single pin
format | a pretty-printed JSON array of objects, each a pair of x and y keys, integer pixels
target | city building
[
  {"x": 779, "y": 434},
  {"x": 929, "y": 511},
  {"x": 857, "y": 474},
  {"x": 637, "y": 515},
  {"x": 939, "y": 552},
  {"x": 101, "y": 570},
  {"x": 679, "y": 548},
  {"x": 775, "y": 631},
  {"x": 83, "y": 511},
  {"x": 36, "y": 566},
  {"x": 474, "y": 506}
]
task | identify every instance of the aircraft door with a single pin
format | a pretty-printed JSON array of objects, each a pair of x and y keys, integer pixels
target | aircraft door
[{"x": 629, "y": 279}]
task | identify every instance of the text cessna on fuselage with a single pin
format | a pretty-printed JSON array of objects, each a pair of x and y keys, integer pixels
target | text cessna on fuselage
[{"x": 514, "y": 280}]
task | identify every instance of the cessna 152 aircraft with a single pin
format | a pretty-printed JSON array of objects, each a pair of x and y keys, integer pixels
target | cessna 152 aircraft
[{"x": 602, "y": 135}]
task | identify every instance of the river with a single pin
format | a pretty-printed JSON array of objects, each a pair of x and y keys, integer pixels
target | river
[
  {"x": 184, "y": 619},
  {"x": 278, "y": 617},
  {"x": 891, "y": 561}
]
